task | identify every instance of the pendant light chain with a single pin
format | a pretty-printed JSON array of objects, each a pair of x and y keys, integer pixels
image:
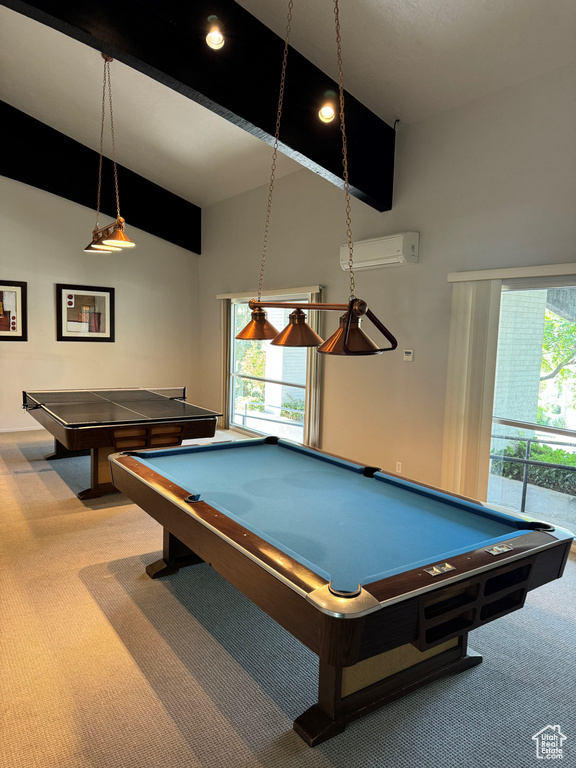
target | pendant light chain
[
  {"x": 349, "y": 338},
  {"x": 110, "y": 237},
  {"x": 344, "y": 152},
  {"x": 106, "y": 58},
  {"x": 275, "y": 152},
  {"x": 107, "y": 71}
]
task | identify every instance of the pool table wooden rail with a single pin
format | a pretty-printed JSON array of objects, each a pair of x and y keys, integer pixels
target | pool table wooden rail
[{"x": 173, "y": 511}]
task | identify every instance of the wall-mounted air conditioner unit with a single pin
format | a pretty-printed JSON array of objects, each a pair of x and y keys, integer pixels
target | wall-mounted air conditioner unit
[{"x": 394, "y": 249}]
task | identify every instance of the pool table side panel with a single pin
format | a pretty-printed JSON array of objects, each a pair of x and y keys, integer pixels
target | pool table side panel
[
  {"x": 389, "y": 628},
  {"x": 479, "y": 560},
  {"x": 431, "y": 618},
  {"x": 550, "y": 564}
]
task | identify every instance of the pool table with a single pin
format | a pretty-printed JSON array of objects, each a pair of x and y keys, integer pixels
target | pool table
[{"x": 382, "y": 578}]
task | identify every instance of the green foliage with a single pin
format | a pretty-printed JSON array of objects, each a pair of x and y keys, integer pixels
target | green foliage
[
  {"x": 545, "y": 417},
  {"x": 293, "y": 408},
  {"x": 546, "y": 477},
  {"x": 559, "y": 348},
  {"x": 250, "y": 359}
]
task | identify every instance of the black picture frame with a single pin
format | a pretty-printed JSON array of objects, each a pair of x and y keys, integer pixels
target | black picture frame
[
  {"x": 84, "y": 313},
  {"x": 13, "y": 310}
]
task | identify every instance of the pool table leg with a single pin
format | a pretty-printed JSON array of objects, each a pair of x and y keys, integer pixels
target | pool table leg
[
  {"x": 175, "y": 555},
  {"x": 335, "y": 710}
]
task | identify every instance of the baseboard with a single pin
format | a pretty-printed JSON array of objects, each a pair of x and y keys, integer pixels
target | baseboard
[{"x": 24, "y": 429}]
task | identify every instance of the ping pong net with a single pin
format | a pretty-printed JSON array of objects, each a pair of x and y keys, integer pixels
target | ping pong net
[{"x": 118, "y": 396}]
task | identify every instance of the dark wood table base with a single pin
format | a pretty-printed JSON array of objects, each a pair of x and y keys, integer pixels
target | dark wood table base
[
  {"x": 176, "y": 555},
  {"x": 347, "y": 693},
  {"x": 333, "y": 712}
]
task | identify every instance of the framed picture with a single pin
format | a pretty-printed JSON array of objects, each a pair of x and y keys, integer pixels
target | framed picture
[
  {"x": 13, "y": 311},
  {"x": 84, "y": 313}
]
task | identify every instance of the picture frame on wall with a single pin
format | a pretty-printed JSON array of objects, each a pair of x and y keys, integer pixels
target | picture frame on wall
[
  {"x": 84, "y": 313},
  {"x": 13, "y": 311}
]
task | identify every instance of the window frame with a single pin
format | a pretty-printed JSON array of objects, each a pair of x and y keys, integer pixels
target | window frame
[{"x": 312, "y": 387}]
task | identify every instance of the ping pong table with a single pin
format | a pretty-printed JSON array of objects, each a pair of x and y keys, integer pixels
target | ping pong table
[{"x": 104, "y": 421}]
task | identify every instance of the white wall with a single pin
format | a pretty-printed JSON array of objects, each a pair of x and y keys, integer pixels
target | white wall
[
  {"x": 491, "y": 184},
  {"x": 156, "y": 286}
]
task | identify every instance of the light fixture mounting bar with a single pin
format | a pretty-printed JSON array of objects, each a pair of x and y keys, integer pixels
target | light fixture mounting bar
[{"x": 359, "y": 307}]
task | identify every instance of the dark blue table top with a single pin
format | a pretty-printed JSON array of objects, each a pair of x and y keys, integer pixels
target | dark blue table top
[
  {"x": 325, "y": 513},
  {"x": 100, "y": 407}
]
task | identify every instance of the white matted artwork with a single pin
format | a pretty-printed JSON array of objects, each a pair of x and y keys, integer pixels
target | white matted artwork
[{"x": 84, "y": 313}]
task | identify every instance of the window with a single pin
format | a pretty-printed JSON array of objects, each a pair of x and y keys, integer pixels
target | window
[
  {"x": 270, "y": 390},
  {"x": 533, "y": 451},
  {"x": 472, "y": 367}
]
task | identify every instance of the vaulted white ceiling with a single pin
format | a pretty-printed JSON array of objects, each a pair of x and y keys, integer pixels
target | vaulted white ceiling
[
  {"x": 410, "y": 59},
  {"x": 404, "y": 59}
]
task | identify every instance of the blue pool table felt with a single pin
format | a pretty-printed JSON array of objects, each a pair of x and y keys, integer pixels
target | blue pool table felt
[{"x": 326, "y": 514}]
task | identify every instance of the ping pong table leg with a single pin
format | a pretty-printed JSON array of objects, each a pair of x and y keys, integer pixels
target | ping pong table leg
[{"x": 100, "y": 476}]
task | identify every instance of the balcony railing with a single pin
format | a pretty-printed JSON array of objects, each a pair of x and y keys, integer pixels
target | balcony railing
[
  {"x": 527, "y": 461},
  {"x": 247, "y": 417}
]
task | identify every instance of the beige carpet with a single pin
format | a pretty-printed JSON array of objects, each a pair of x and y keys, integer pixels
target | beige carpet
[{"x": 101, "y": 667}]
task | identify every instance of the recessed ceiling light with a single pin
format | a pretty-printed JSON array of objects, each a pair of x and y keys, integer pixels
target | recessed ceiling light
[
  {"x": 327, "y": 113},
  {"x": 215, "y": 38}
]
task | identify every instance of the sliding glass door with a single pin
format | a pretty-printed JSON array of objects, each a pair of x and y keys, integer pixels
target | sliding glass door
[{"x": 533, "y": 445}]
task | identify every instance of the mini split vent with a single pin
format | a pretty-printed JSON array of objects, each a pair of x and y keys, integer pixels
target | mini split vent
[{"x": 382, "y": 251}]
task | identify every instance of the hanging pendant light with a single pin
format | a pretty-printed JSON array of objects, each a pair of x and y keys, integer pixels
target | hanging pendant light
[
  {"x": 97, "y": 243},
  {"x": 118, "y": 236},
  {"x": 258, "y": 329},
  {"x": 111, "y": 237},
  {"x": 259, "y": 319},
  {"x": 297, "y": 333},
  {"x": 349, "y": 338}
]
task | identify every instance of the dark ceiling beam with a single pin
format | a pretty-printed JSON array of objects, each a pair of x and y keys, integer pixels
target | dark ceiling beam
[
  {"x": 47, "y": 159},
  {"x": 166, "y": 41}
]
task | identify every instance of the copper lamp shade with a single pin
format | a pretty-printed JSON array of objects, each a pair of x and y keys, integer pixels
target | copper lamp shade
[
  {"x": 97, "y": 244},
  {"x": 258, "y": 328},
  {"x": 297, "y": 333},
  {"x": 118, "y": 236},
  {"x": 357, "y": 343}
]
